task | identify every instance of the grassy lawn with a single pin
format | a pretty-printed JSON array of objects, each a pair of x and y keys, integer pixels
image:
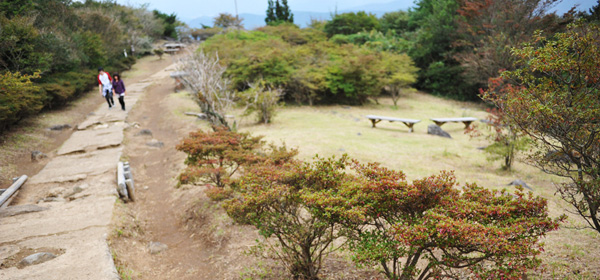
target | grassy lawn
[{"x": 335, "y": 130}]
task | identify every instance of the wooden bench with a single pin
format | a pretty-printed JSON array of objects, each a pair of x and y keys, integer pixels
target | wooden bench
[
  {"x": 467, "y": 121},
  {"x": 408, "y": 122}
]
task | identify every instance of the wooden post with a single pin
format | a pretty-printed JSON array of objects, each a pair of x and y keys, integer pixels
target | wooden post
[
  {"x": 467, "y": 123},
  {"x": 13, "y": 188}
]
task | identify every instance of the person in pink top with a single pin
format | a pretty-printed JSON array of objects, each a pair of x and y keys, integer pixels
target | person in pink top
[{"x": 105, "y": 86}]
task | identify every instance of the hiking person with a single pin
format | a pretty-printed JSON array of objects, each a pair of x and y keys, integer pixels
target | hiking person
[
  {"x": 105, "y": 86},
  {"x": 119, "y": 89}
]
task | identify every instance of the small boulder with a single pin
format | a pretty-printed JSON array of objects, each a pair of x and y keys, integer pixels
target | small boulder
[
  {"x": 157, "y": 247},
  {"x": 521, "y": 183},
  {"x": 144, "y": 132},
  {"x": 55, "y": 192},
  {"x": 36, "y": 258},
  {"x": 155, "y": 143},
  {"x": 436, "y": 130},
  {"x": 60, "y": 127},
  {"x": 37, "y": 155}
]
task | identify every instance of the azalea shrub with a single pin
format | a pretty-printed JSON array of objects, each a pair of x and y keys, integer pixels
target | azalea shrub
[
  {"x": 214, "y": 157},
  {"x": 273, "y": 199},
  {"x": 428, "y": 228}
]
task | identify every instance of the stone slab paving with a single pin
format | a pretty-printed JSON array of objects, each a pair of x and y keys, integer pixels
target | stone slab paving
[{"x": 75, "y": 217}]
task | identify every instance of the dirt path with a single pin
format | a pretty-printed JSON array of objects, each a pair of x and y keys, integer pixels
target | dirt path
[
  {"x": 197, "y": 248},
  {"x": 64, "y": 211}
]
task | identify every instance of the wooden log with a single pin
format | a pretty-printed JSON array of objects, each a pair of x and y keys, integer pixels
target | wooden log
[
  {"x": 121, "y": 187},
  {"x": 130, "y": 189},
  {"x": 12, "y": 189}
]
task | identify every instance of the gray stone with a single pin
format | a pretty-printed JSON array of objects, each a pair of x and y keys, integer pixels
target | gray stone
[
  {"x": 20, "y": 209},
  {"x": 37, "y": 155},
  {"x": 482, "y": 148},
  {"x": 520, "y": 182},
  {"x": 55, "y": 192},
  {"x": 36, "y": 258},
  {"x": 357, "y": 119},
  {"x": 60, "y": 126},
  {"x": 144, "y": 132},
  {"x": 157, "y": 247},
  {"x": 436, "y": 130},
  {"x": 155, "y": 143},
  {"x": 359, "y": 134},
  {"x": 342, "y": 150}
]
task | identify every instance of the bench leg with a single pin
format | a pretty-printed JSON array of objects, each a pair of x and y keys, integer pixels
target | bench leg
[
  {"x": 374, "y": 122},
  {"x": 410, "y": 126},
  {"x": 467, "y": 123},
  {"x": 439, "y": 123}
]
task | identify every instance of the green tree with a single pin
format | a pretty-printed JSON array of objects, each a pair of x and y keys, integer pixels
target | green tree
[
  {"x": 19, "y": 97},
  {"x": 432, "y": 25},
  {"x": 170, "y": 23},
  {"x": 554, "y": 97},
  {"x": 278, "y": 13},
  {"x": 395, "y": 22},
  {"x": 490, "y": 29},
  {"x": 20, "y": 46},
  {"x": 225, "y": 20},
  {"x": 399, "y": 73},
  {"x": 13, "y": 8},
  {"x": 350, "y": 23}
]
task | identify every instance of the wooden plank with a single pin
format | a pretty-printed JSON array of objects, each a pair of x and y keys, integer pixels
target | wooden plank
[
  {"x": 373, "y": 117},
  {"x": 12, "y": 189}
]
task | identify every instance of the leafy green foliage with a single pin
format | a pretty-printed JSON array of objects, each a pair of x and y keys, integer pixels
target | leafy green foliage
[
  {"x": 20, "y": 46},
  {"x": 306, "y": 66},
  {"x": 554, "y": 98},
  {"x": 394, "y": 22},
  {"x": 350, "y": 23},
  {"x": 19, "y": 97}
]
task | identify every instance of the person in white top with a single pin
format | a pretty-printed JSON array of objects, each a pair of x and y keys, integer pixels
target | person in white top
[{"x": 105, "y": 86}]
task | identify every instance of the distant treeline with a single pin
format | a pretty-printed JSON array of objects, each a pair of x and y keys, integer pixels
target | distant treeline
[
  {"x": 50, "y": 49},
  {"x": 457, "y": 45}
]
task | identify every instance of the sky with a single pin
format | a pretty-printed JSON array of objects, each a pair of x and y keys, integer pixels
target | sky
[{"x": 190, "y": 9}]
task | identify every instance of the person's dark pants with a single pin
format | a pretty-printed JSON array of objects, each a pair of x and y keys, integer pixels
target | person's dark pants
[
  {"x": 122, "y": 101},
  {"x": 109, "y": 98}
]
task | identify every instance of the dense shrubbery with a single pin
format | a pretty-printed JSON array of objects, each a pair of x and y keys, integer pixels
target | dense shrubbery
[
  {"x": 425, "y": 229},
  {"x": 65, "y": 42},
  {"x": 305, "y": 65}
]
